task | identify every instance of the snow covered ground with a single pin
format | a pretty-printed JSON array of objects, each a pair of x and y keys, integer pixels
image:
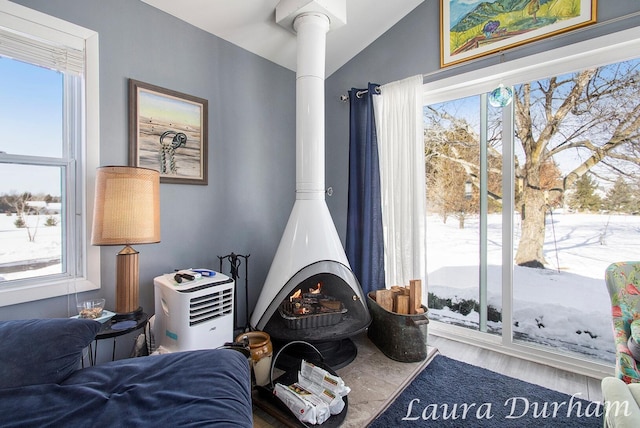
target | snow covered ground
[
  {"x": 15, "y": 247},
  {"x": 565, "y": 306}
]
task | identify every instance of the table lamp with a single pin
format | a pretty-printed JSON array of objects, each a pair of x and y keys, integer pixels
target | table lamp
[{"x": 126, "y": 212}]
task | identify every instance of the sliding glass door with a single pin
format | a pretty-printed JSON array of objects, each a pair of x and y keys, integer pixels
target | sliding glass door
[
  {"x": 464, "y": 222},
  {"x": 530, "y": 196},
  {"x": 577, "y": 136}
]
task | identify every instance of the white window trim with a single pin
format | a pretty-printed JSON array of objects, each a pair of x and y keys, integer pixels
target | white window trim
[
  {"x": 20, "y": 18},
  {"x": 614, "y": 47}
]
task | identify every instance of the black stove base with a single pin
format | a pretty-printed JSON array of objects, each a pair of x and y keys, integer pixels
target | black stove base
[{"x": 336, "y": 354}]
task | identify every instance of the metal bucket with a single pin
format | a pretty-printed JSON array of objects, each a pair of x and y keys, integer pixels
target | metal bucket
[{"x": 400, "y": 337}]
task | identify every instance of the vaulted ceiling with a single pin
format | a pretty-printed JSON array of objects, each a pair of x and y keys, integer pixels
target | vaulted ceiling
[{"x": 250, "y": 24}]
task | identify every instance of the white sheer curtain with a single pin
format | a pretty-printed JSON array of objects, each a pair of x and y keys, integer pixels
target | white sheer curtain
[{"x": 398, "y": 114}]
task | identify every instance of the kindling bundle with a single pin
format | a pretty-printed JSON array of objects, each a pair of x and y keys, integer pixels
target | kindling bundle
[{"x": 316, "y": 396}]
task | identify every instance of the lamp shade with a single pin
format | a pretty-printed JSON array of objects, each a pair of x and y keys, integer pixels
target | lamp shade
[{"x": 127, "y": 206}]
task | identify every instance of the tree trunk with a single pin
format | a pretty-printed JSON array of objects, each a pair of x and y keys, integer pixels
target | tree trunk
[{"x": 532, "y": 213}]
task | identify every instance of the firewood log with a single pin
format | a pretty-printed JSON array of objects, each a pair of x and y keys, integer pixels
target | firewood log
[
  {"x": 415, "y": 295},
  {"x": 402, "y": 304},
  {"x": 385, "y": 299}
]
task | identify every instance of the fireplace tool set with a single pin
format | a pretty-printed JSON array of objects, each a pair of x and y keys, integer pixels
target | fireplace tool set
[{"x": 235, "y": 260}]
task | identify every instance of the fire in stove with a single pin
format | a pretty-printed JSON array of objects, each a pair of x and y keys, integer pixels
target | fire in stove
[{"x": 311, "y": 309}]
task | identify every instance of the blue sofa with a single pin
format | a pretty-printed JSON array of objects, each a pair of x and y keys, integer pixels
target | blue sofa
[{"x": 43, "y": 385}]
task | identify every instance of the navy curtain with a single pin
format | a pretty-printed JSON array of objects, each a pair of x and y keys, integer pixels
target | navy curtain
[{"x": 365, "y": 245}]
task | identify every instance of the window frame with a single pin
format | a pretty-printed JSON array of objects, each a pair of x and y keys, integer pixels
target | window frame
[
  {"x": 614, "y": 47},
  {"x": 83, "y": 259}
]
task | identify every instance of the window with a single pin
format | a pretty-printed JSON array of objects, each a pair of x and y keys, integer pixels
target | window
[
  {"x": 552, "y": 183},
  {"x": 48, "y": 155}
]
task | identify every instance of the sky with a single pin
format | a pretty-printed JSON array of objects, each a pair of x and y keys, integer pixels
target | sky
[
  {"x": 166, "y": 109},
  {"x": 30, "y": 124},
  {"x": 570, "y": 158}
]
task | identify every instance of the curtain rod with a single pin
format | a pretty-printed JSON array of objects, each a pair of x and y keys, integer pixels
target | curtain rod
[{"x": 359, "y": 94}]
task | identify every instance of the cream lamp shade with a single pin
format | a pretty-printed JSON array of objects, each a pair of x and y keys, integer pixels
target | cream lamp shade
[
  {"x": 127, "y": 206},
  {"x": 126, "y": 212}
]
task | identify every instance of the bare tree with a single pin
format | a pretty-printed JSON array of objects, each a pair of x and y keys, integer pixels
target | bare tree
[
  {"x": 21, "y": 204},
  {"x": 452, "y": 148},
  {"x": 593, "y": 116},
  {"x": 596, "y": 113},
  {"x": 452, "y": 153}
]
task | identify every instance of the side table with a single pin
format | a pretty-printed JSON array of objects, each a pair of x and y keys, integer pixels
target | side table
[{"x": 113, "y": 329}]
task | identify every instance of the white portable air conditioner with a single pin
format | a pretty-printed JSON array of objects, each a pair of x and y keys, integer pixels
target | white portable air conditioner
[{"x": 193, "y": 314}]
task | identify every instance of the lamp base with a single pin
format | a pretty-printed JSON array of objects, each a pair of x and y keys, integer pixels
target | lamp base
[
  {"x": 128, "y": 315},
  {"x": 127, "y": 287}
]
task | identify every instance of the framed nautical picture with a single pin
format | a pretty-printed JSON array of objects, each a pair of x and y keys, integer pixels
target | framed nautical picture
[
  {"x": 168, "y": 133},
  {"x": 473, "y": 28}
]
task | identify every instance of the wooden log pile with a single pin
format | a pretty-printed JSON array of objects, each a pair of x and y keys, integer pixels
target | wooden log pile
[{"x": 402, "y": 300}]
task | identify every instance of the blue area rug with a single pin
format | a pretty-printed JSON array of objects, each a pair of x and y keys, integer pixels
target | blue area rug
[{"x": 449, "y": 393}]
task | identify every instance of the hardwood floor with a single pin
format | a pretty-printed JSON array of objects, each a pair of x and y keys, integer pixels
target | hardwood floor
[{"x": 369, "y": 396}]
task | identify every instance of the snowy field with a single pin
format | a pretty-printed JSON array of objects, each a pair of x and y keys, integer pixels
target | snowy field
[
  {"x": 15, "y": 247},
  {"x": 565, "y": 306}
]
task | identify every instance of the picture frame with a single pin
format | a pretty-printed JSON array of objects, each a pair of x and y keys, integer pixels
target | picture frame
[
  {"x": 465, "y": 35},
  {"x": 168, "y": 133}
]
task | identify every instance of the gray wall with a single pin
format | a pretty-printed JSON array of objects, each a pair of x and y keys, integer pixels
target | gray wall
[
  {"x": 252, "y": 127},
  {"x": 412, "y": 47},
  {"x": 251, "y": 143}
]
